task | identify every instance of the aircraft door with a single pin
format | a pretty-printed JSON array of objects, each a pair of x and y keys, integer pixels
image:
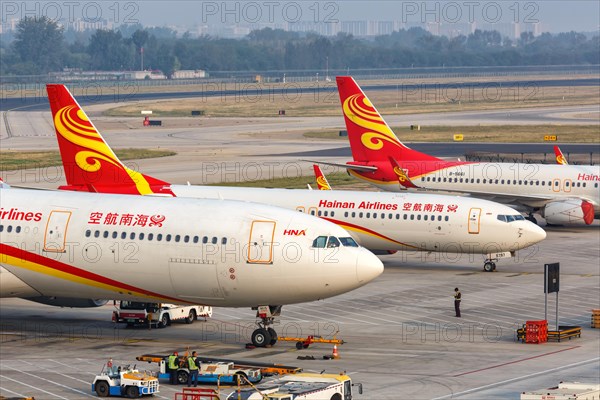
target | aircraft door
[
  {"x": 195, "y": 279},
  {"x": 260, "y": 245},
  {"x": 55, "y": 236},
  {"x": 556, "y": 185},
  {"x": 474, "y": 220}
]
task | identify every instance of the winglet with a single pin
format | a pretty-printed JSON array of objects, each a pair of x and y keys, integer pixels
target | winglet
[
  {"x": 560, "y": 158},
  {"x": 371, "y": 139},
  {"x": 89, "y": 163},
  {"x": 322, "y": 182}
]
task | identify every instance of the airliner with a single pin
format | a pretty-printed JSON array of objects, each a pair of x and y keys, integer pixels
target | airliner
[
  {"x": 381, "y": 222},
  {"x": 74, "y": 246},
  {"x": 562, "y": 194}
]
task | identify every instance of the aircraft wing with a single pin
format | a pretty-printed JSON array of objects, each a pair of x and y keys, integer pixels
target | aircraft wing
[
  {"x": 502, "y": 197},
  {"x": 361, "y": 168}
]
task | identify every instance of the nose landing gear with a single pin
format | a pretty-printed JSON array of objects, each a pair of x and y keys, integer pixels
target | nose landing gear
[{"x": 265, "y": 335}]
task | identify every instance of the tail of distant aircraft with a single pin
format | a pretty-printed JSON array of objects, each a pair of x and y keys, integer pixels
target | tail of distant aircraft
[
  {"x": 90, "y": 164},
  {"x": 371, "y": 139},
  {"x": 560, "y": 158},
  {"x": 322, "y": 182}
]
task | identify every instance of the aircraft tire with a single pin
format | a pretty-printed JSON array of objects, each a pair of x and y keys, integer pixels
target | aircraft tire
[
  {"x": 273, "y": 336},
  {"x": 488, "y": 266},
  {"x": 261, "y": 337}
]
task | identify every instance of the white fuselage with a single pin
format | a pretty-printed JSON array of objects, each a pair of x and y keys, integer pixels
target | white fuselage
[
  {"x": 529, "y": 185},
  {"x": 219, "y": 253},
  {"x": 403, "y": 221}
]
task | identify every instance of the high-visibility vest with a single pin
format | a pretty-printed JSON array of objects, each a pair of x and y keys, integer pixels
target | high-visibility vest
[
  {"x": 173, "y": 362},
  {"x": 192, "y": 363}
]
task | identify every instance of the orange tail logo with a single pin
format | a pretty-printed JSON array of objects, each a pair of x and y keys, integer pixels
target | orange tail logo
[
  {"x": 74, "y": 126},
  {"x": 322, "y": 183},
  {"x": 359, "y": 110}
]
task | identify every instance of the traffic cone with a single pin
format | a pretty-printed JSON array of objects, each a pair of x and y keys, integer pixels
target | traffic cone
[{"x": 335, "y": 354}]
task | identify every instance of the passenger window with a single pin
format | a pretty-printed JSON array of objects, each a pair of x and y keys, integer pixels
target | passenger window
[
  {"x": 332, "y": 213},
  {"x": 186, "y": 239},
  {"x": 123, "y": 235},
  {"x": 319, "y": 213},
  {"x": 319, "y": 243},
  {"x": 353, "y": 214},
  {"x": 114, "y": 235},
  {"x": 483, "y": 181},
  {"x": 177, "y": 238},
  {"x": 150, "y": 236},
  {"x": 333, "y": 242},
  {"x": 446, "y": 218},
  {"x": 360, "y": 215},
  {"x": 325, "y": 213},
  {"x": 9, "y": 228},
  {"x": 346, "y": 214},
  {"x": 204, "y": 239},
  {"x": 159, "y": 237},
  {"x": 141, "y": 236},
  {"x": 105, "y": 234},
  {"x": 132, "y": 236},
  {"x": 439, "y": 217},
  {"x": 412, "y": 217},
  {"x": 224, "y": 241},
  {"x": 214, "y": 240},
  {"x": 405, "y": 217},
  {"x": 425, "y": 217},
  {"x": 88, "y": 233},
  {"x": 196, "y": 239},
  {"x": 419, "y": 217},
  {"x": 168, "y": 237},
  {"x": 391, "y": 216},
  {"x": 584, "y": 184},
  {"x": 18, "y": 229},
  {"x": 374, "y": 215}
]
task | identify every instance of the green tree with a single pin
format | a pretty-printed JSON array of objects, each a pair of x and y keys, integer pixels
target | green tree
[
  {"x": 39, "y": 45},
  {"x": 109, "y": 51}
]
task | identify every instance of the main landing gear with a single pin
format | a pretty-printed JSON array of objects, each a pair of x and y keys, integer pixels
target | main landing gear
[
  {"x": 489, "y": 265},
  {"x": 265, "y": 335}
]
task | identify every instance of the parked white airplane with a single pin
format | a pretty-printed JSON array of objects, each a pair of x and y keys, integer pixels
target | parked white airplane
[
  {"x": 562, "y": 194},
  {"x": 59, "y": 244},
  {"x": 379, "y": 221}
]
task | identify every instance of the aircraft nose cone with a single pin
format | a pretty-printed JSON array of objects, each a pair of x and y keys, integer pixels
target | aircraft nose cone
[
  {"x": 533, "y": 234},
  {"x": 368, "y": 266}
]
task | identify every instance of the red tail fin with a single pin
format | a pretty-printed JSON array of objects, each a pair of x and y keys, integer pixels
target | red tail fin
[
  {"x": 90, "y": 164},
  {"x": 371, "y": 139},
  {"x": 322, "y": 183},
  {"x": 560, "y": 158}
]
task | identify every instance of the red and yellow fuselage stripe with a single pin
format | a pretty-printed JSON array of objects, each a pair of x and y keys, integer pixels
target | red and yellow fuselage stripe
[
  {"x": 361, "y": 229},
  {"x": 16, "y": 257}
]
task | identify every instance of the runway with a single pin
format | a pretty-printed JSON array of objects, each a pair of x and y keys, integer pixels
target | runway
[{"x": 229, "y": 149}]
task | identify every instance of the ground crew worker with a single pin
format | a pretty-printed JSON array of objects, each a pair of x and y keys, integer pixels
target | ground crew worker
[
  {"x": 193, "y": 367},
  {"x": 457, "y": 297},
  {"x": 173, "y": 364}
]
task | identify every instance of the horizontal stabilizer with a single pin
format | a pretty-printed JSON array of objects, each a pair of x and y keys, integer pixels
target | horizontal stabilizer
[{"x": 361, "y": 168}]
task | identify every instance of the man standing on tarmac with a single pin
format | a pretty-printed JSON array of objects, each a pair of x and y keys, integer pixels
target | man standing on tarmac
[
  {"x": 193, "y": 367},
  {"x": 173, "y": 364},
  {"x": 457, "y": 297}
]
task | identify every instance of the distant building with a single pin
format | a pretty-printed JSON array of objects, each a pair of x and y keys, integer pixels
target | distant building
[{"x": 189, "y": 74}]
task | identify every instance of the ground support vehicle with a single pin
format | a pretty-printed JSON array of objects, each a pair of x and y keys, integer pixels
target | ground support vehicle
[
  {"x": 159, "y": 315},
  {"x": 124, "y": 382},
  {"x": 304, "y": 343},
  {"x": 211, "y": 372},
  {"x": 303, "y": 386}
]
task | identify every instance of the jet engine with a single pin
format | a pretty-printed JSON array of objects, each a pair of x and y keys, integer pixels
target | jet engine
[
  {"x": 569, "y": 212},
  {"x": 68, "y": 302}
]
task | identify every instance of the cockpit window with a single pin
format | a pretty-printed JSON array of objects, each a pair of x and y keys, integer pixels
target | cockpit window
[
  {"x": 333, "y": 242},
  {"x": 320, "y": 242},
  {"x": 348, "y": 242},
  {"x": 511, "y": 218}
]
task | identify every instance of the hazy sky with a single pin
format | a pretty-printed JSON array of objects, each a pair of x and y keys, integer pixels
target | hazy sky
[{"x": 554, "y": 15}]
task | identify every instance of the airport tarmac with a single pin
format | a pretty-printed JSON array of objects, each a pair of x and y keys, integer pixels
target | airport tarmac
[{"x": 402, "y": 338}]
